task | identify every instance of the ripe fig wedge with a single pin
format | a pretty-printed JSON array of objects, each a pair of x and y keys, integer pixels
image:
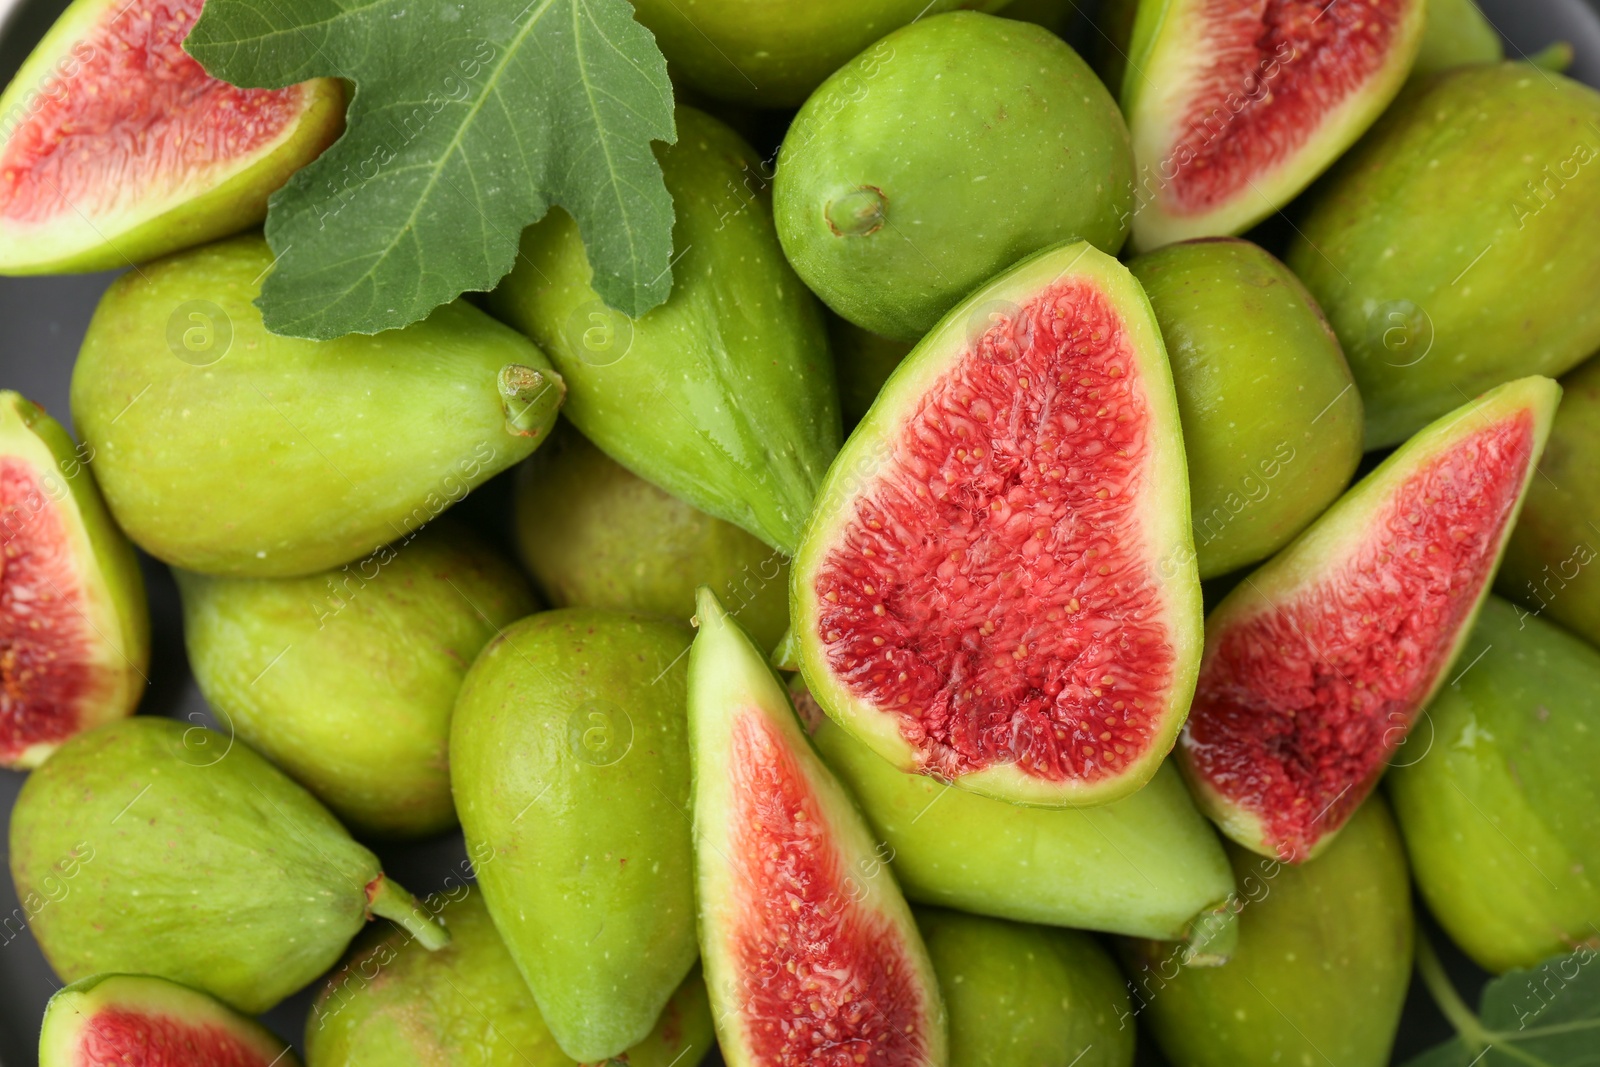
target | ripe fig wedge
[
  {"x": 74, "y": 628},
  {"x": 116, "y": 147},
  {"x": 1317, "y": 664},
  {"x": 1235, "y": 108},
  {"x": 811, "y": 954},
  {"x": 998, "y": 584},
  {"x": 189, "y": 857},
  {"x": 114, "y": 1019}
]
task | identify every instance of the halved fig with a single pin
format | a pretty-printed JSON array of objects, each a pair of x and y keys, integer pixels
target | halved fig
[
  {"x": 74, "y": 628},
  {"x": 115, "y": 1019},
  {"x": 998, "y": 584},
  {"x": 1317, "y": 664},
  {"x": 118, "y": 147},
  {"x": 811, "y": 954},
  {"x": 1235, "y": 107}
]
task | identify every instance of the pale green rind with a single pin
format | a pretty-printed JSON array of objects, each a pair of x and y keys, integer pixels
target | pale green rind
[
  {"x": 72, "y": 1007},
  {"x": 285, "y": 457},
  {"x": 569, "y": 758},
  {"x": 113, "y": 606},
  {"x": 1263, "y": 388},
  {"x": 1334, "y": 538},
  {"x": 724, "y": 395},
  {"x": 1455, "y": 35},
  {"x": 346, "y": 679},
  {"x": 230, "y": 198},
  {"x": 595, "y": 535},
  {"x": 1167, "y": 537},
  {"x": 983, "y": 141},
  {"x": 1160, "y": 80},
  {"x": 181, "y": 853},
  {"x": 1444, "y": 275},
  {"x": 1147, "y": 865},
  {"x": 1321, "y": 970},
  {"x": 729, "y": 678},
  {"x": 1548, "y": 565},
  {"x": 1027, "y": 996},
  {"x": 1498, "y": 815},
  {"x": 750, "y": 51},
  {"x": 392, "y": 1003}
]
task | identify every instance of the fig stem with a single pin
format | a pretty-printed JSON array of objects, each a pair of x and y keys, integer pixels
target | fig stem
[
  {"x": 1444, "y": 994},
  {"x": 394, "y": 903},
  {"x": 528, "y": 397}
]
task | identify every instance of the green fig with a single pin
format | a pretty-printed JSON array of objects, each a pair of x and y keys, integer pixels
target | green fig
[
  {"x": 1498, "y": 811},
  {"x": 1271, "y": 418},
  {"x": 569, "y": 757},
  {"x": 1455, "y": 34},
  {"x": 862, "y": 362},
  {"x": 74, "y": 627},
  {"x": 466, "y": 1005},
  {"x": 595, "y": 535},
  {"x": 1547, "y": 565},
  {"x": 1320, "y": 971},
  {"x": 180, "y": 852},
  {"x": 1027, "y": 996},
  {"x": 140, "y": 1019},
  {"x": 1458, "y": 246},
  {"x": 724, "y": 395},
  {"x": 225, "y": 449},
  {"x": 346, "y": 679},
  {"x": 939, "y": 157}
]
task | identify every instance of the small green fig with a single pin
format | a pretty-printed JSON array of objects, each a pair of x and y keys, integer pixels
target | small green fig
[
  {"x": 180, "y": 852},
  {"x": 595, "y": 535},
  {"x": 346, "y": 679},
  {"x": 569, "y": 758}
]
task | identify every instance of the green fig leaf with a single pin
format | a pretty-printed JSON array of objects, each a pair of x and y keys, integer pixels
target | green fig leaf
[
  {"x": 1546, "y": 1016},
  {"x": 469, "y": 119}
]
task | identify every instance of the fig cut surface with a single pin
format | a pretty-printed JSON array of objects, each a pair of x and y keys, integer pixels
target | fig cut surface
[{"x": 998, "y": 586}]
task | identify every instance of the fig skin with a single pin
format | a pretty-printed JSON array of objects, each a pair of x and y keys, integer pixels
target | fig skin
[
  {"x": 1455, "y": 34},
  {"x": 1389, "y": 245},
  {"x": 256, "y": 455},
  {"x": 1266, "y": 398},
  {"x": 570, "y": 764},
  {"x": 114, "y": 608},
  {"x": 1321, "y": 969},
  {"x": 466, "y": 1005},
  {"x": 72, "y": 1010},
  {"x": 1497, "y": 800},
  {"x": 595, "y": 535},
  {"x": 724, "y": 395},
  {"x": 888, "y": 167},
  {"x": 225, "y": 204},
  {"x": 1549, "y": 560},
  {"x": 1027, "y": 996},
  {"x": 346, "y": 679},
  {"x": 188, "y": 856}
]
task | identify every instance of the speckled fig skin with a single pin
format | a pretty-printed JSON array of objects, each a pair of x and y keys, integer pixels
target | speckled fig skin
[
  {"x": 1444, "y": 276},
  {"x": 1027, "y": 996},
  {"x": 898, "y": 191},
  {"x": 595, "y": 535},
  {"x": 724, "y": 395},
  {"x": 1271, "y": 417},
  {"x": 1497, "y": 797},
  {"x": 1552, "y": 562},
  {"x": 570, "y": 765},
  {"x": 1321, "y": 969},
  {"x": 774, "y": 54},
  {"x": 466, "y": 1005}
]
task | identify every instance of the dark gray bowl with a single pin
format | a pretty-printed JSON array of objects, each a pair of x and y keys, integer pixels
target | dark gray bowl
[{"x": 44, "y": 320}]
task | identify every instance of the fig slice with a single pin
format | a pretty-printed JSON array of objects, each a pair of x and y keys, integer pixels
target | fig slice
[
  {"x": 1235, "y": 107},
  {"x": 118, "y": 147},
  {"x": 114, "y": 1019},
  {"x": 811, "y": 954},
  {"x": 998, "y": 585},
  {"x": 74, "y": 628},
  {"x": 1317, "y": 664}
]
